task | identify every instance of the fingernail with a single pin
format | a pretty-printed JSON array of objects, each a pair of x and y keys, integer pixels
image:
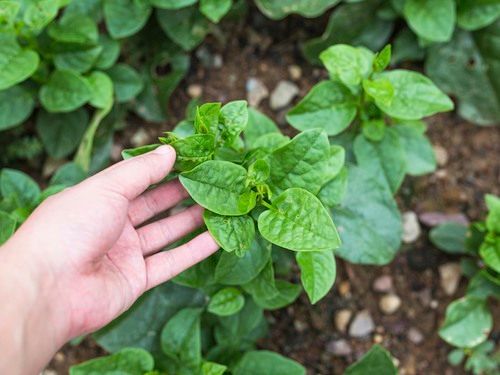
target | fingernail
[{"x": 164, "y": 149}]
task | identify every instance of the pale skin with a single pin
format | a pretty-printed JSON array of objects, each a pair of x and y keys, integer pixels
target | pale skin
[{"x": 86, "y": 254}]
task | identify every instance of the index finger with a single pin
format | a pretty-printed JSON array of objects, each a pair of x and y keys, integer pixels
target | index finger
[{"x": 132, "y": 177}]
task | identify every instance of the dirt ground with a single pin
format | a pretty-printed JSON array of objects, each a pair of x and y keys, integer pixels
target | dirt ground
[{"x": 259, "y": 48}]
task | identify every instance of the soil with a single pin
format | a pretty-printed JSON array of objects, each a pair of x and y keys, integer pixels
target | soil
[{"x": 263, "y": 49}]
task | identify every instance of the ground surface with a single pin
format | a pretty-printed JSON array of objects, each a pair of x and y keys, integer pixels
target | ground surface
[{"x": 259, "y": 48}]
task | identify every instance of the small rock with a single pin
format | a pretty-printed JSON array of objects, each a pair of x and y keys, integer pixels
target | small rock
[
  {"x": 116, "y": 152},
  {"x": 299, "y": 325},
  {"x": 383, "y": 284},
  {"x": 378, "y": 338},
  {"x": 441, "y": 155},
  {"x": 415, "y": 336},
  {"x": 140, "y": 138},
  {"x": 339, "y": 347},
  {"x": 411, "y": 227},
  {"x": 441, "y": 174},
  {"x": 344, "y": 288},
  {"x": 59, "y": 357},
  {"x": 218, "y": 61},
  {"x": 256, "y": 91},
  {"x": 195, "y": 90},
  {"x": 390, "y": 303},
  {"x": 433, "y": 218},
  {"x": 450, "y": 274},
  {"x": 48, "y": 372},
  {"x": 362, "y": 325},
  {"x": 283, "y": 94},
  {"x": 342, "y": 318},
  {"x": 434, "y": 304},
  {"x": 295, "y": 72}
]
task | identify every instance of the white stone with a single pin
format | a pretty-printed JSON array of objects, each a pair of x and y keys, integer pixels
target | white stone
[
  {"x": 362, "y": 325},
  {"x": 411, "y": 227},
  {"x": 194, "y": 90},
  {"x": 140, "y": 138},
  {"x": 256, "y": 91},
  {"x": 382, "y": 284},
  {"x": 339, "y": 347},
  {"x": 295, "y": 72},
  {"x": 441, "y": 155},
  {"x": 415, "y": 336},
  {"x": 283, "y": 94},
  {"x": 449, "y": 274},
  {"x": 342, "y": 318},
  {"x": 390, "y": 303}
]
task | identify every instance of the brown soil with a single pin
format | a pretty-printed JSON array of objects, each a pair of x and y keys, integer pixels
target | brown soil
[{"x": 264, "y": 49}]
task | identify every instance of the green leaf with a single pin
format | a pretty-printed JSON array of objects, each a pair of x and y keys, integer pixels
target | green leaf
[
  {"x": 264, "y": 362},
  {"x": 193, "y": 150},
  {"x": 455, "y": 357},
  {"x": 172, "y": 4},
  {"x": 420, "y": 158},
  {"x": 187, "y": 27},
  {"x": 356, "y": 24},
  {"x": 376, "y": 361},
  {"x": 263, "y": 286},
  {"x": 232, "y": 233},
  {"x": 131, "y": 152},
  {"x": 259, "y": 171},
  {"x": 234, "y": 118},
  {"x": 219, "y": 186},
  {"x": 368, "y": 219},
  {"x": 225, "y": 302},
  {"x": 19, "y": 186},
  {"x": 278, "y": 9},
  {"x": 126, "y": 81},
  {"x": 467, "y": 322},
  {"x": 493, "y": 218},
  {"x": 125, "y": 17},
  {"x": 75, "y": 29},
  {"x": 463, "y": 66},
  {"x": 415, "y": 96},
  {"x": 317, "y": 273},
  {"x": 201, "y": 275},
  {"x": 380, "y": 89},
  {"x": 211, "y": 368},
  {"x": 406, "y": 48},
  {"x": 181, "y": 338},
  {"x": 476, "y": 14},
  {"x": 102, "y": 90},
  {"x": 16, "y": 63},
  {"x": 110, "y": 52},
  {"x": 304, "y": 162},
  {"x": 214, "y": 10},
  {"x": 329, "y": 105},
  {"x": 68, "y": 175},
  {"x": 332, "y": 193},
  {"x": 128, "y": 361},
  {"x": 490, "y": 253},
  {"x": 481, "y": 286},
  {"x": 152, "y": 311},
  {"x": 382, "y": 59},
  {"x": 433, "y": 20},
  {"x": 64, "y": 92},
  {"x": 7, "y": 227},
  {"x": 258, "y": 125},
  {"x": 61, "y": 133},
  {"x": 89, "y": 8},
  {"x": 233, "y": 270},
  {"x": 288, "y": 225},
  {"x": 16, "y": 105},
  {"x": 79, "y": 61},
  {"x": 449, "y": 237},
  {"x": 8, "y": 12},
  {"x": 386, "y": 156},
  {"x": 347, "y": 64},
  {"x": 38, "y": 14},
  {"x": 206, "y": 118},
  {"x": 286, "y": 294},
  {"x": 373, "y": 130}
]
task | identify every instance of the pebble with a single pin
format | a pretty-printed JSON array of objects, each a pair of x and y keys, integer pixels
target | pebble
[
  {"x": 59, "y": 357},
  {"x": 362, "y": 325},
  {"x": 218, "y": 61},
  {"x": 378, "y": 338},
  {"x": 441, "y": 155},
  {"x": 195, "y": 90},
  {"x": 295, "y": 72},
  {"x": 140, "y": 138},
  {"x": 383, "y": 284},
  {"x": 415, "y": 336},
  {"x": 299, "y": 325},
  {"x": 434, "y": 304},
  {"x": 283, "y": 94},
  {"x": 256, "y": 91},
  {"x": 342, "y": 318},
  {"x": 390, "y": 303},
  {"x": 344, "y": 288},
  {"x": 339, "y": 347},
  {"x": 48, "y": 372},
  {"x": 411, "y": 227},
  {"x": 449, "y": 274},
  {"x": 433, "y": 218}
]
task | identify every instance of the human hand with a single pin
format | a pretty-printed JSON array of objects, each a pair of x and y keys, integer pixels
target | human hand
[{"x": 87, "y": 252}]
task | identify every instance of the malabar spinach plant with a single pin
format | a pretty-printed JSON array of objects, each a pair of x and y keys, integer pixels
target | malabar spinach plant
[
  {"x": 468, "y": 321},
  {"x": 458, "y": 39},
  {"x": 377, "y": 116}
]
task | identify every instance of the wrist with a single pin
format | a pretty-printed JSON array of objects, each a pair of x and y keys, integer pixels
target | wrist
[{"x": 29, "y": 320}]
